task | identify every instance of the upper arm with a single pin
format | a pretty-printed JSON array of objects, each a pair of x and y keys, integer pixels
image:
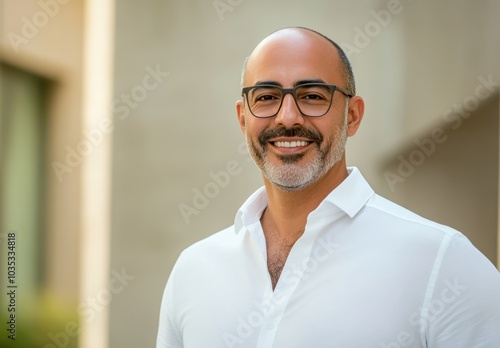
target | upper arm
[
  {"x": 169, "y": 334},
  {"x": 464, "y": 310}
]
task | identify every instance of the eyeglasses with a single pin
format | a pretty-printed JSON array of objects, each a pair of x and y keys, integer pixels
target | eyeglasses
[{"x": 312, "y": 99}]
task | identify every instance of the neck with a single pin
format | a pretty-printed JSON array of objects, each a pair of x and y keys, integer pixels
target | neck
[{"x": 287, "y": 212}]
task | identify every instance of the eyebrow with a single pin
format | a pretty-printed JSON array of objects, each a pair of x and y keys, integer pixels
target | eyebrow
[
  {"x": 303, "y": 82},
  {"x": 296, "y": 83}
]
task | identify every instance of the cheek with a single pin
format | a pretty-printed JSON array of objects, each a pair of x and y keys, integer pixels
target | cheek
[
  {"x": 255, "y": 126},
  {"x": 330, "y": 131},
  {"x": 323, "y": 125}
]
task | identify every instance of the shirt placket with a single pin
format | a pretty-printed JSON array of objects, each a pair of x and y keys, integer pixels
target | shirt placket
[{"x": 280, "y": 297}]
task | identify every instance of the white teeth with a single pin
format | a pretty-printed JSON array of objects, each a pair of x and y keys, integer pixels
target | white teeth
[{"x": 290, "y": 143}]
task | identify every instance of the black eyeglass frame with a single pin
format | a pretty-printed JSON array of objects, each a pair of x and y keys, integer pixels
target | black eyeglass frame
[{"x": 292, "y": 91}]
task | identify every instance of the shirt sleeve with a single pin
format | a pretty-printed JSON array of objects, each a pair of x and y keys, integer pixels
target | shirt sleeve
[
  {"x": 169, "y": 335},
  {"x": 463, "y": 308}
]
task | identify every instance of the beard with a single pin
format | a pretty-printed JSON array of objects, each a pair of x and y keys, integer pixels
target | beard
[{"x": 289, "y": 175}]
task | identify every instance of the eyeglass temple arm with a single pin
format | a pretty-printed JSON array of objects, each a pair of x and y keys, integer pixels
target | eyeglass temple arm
[{"x": 344, "y": 91}]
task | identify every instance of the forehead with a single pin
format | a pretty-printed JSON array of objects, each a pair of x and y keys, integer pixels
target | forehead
[{"x": 293, "y": 55}]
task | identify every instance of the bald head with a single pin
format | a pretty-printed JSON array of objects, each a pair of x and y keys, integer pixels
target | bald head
[{"x": 304, "y": 39}]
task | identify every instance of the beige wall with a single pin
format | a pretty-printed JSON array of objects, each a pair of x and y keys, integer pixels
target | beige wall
[
  {"x": 427, "y": 57},
  {"x": 48, "y": 42},
  {"x": 177, "y": 75},
  {"x": 452, "y": 177}
]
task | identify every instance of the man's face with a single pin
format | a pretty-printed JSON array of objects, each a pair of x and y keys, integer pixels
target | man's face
[{"x": 293, "y": 150}]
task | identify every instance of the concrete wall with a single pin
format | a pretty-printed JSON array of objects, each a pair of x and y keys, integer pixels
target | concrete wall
[{"x": 170, "y": 135}]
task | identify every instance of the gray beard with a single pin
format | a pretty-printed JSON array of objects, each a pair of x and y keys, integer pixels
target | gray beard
[{"x": 290, "y": 176}]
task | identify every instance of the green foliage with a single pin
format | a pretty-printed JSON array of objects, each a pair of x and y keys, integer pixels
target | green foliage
[{"x": 43, "y": 323}]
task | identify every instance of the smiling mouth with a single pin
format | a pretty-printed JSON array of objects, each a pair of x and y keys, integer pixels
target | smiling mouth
[
  {"x": 290, "y": 143},
  {"x": 289, "y": 140}
]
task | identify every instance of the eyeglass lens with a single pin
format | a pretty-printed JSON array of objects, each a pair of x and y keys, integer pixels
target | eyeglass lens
[{"x": 312, "y": 100}]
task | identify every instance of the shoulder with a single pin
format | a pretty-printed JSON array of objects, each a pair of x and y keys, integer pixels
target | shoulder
[
  {"x": 389, "y": 212},
  {"x": 207, "y": 250},
  {"x": 219, "y": 239},
  {"x": 454, "y": 256},
  {"x": 395, "y": 228}
]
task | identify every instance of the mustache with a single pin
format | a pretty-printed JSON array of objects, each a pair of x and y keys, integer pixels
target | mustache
[{"x": 266, "y": 135}]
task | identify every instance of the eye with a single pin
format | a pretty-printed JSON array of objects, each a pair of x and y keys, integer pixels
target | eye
[
  {"x": 313, "y": 94},
  {"x": 262, "y": 95},
  {"x": 265, "y": 97}
]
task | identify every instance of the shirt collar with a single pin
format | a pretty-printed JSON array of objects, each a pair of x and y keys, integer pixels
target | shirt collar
[
  {"x": 350, "y": 196},
  {"x": 251, "y": 210}
]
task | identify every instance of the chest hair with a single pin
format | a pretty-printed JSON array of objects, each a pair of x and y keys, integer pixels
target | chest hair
[{"x": 277, "y": 254}]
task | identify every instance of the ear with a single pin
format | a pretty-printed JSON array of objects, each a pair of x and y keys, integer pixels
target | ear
[
  {"x": 355, "y": 114},
  {"x": 240, "y": 113}
]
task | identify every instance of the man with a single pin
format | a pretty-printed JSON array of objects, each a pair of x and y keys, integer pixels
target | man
[{"x": 315, "y": 258}]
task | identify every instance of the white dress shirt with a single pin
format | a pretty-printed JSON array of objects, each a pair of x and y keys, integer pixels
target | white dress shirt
[{"x": 365, "y": 273}]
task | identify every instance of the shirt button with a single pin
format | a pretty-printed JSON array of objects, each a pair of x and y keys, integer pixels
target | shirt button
[{"x": 270, "y": 326}]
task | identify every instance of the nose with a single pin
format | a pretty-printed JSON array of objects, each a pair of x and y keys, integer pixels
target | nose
[{"x": 289, "y": 114}]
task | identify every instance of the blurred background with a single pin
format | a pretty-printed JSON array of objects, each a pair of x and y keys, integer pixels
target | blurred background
[{"x": 119, "y": 144}]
